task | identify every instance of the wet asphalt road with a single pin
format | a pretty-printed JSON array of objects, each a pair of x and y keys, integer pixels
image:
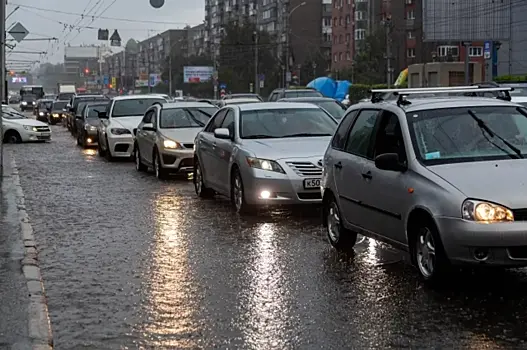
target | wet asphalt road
[{"x": 130, "y": 261}]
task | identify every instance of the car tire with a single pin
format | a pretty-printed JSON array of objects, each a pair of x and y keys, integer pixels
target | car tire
[
  {"x": 101, "y": 152},
  {"x": 139, "y": 166},
  {"x": 79, "y": 142},
  {"x": 238, "y": 201},
  {"x": 428, "y": 253},
  {"x": 12, "y": 136},
  {"x": 340, "y": 238},
  {"x": 199, "y": 184},
  {"x": 108, "y": 153},
  {"x": 161, "y": 173}
]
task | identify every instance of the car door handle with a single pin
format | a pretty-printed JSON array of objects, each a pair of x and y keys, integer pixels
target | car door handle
[
  {"x": 367, "y": 175},
  {"x": 338, "y": 165}
]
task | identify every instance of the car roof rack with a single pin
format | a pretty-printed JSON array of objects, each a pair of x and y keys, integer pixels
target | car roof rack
[{"x": 473, "y": 90}]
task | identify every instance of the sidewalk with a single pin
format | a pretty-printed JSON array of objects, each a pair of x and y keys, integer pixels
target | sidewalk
[{"x": 14, "y": 294}]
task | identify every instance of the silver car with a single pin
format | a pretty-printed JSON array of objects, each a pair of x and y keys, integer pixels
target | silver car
[
  {"x": 263, "y": 154},
  {"x": 443, "y": 179},
  {"x": 164, "y": 139}
]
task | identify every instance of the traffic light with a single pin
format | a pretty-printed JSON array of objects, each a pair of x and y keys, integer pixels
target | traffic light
[
  {"x": 11, "y": 73},
  {"x": 86, "y": 71}
]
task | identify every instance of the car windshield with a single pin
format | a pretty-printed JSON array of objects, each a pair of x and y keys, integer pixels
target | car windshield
[
  {"x": 46, "y": 104},
  {"x": 29, "y": 98},
  {"x": 93, "y": 111},
  {"x": 302, "y": 93},
  {"x": 59, "y": 105},
  {"x": 240, "y": 102},
  {"x": 333, "y": 108},
  {"x": 235, "y": 96},
  {"x": 452, "y": 135},
  {"x": 190, "y": 117},
  {"x": 11, "y": 115},
  {"x": 133, "y": 107},
  {"x": 287, "y": 122}
]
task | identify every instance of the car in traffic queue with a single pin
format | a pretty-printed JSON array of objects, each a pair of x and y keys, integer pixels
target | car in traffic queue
[
  {"x": 43, "y": 110},
  {"x": 242, "y": 96},
  {"x": 440, "y": 178},
  {"x": 164, "y": 139},
  {"x": 28, "y": 102},
  {"x": 18, "y": 128},
  {"x": 333, "y": 107},
  {"x": 119, "y": 122},
  {"x": 239, "y": 101},
  {"x": 278, "y": 94},
  {"x": 79, "y": 111},
  {"x": 263, "y": 154},
  {"x": 88, "y": 122},
  {"x": 73, "y": 108},
  {"x": 58, "y": 109}
]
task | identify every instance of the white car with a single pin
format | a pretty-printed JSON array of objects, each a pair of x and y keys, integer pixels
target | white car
[
  {"x": 119, "y": 122},
  {"x": 18, "y": 128},
  {"x": 239, "y": 101}
]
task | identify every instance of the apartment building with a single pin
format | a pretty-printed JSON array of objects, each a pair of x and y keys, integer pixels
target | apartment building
[{"x": 196, "y": 40}]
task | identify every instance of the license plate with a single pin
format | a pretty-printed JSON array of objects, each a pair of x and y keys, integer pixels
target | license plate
[
  {"x": 311, "y": 183},
  {"x": 45, "y": 134}
]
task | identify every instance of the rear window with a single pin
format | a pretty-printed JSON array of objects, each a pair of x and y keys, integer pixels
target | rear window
[
  {"x": 134, "y": 107},
  {"x": 302, "y": 93}
]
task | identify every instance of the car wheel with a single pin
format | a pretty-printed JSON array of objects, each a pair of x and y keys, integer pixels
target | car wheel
[
  {"x": 108, "y": 153},
  {"x": 339, "y": 237},
  {"x": 199, "y": 185},
  {"x": 79, "y": 142},
  {"x": 139, "y": 166},
  {"x": 12, "y": 136},
  {"x": 428, "y": 253},
  {"x": 100, "y": 151},
  {"x": 238, "y": 194},
  {"x": 161, "y": 173}
]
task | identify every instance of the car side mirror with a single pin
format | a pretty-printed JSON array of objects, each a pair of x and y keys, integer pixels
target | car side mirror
[
  {"x": 390, "y": 162},
  {"x": 148, "y": 127},
  {"x": 64, "y": 109},
  {"x": 102, "y": 115},
  {"x": 78, "y": 117},
  {"x": 222, "y": 133}
]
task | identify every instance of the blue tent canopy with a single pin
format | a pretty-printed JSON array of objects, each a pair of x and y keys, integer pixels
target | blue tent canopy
[{"x": 330, "y": 88}]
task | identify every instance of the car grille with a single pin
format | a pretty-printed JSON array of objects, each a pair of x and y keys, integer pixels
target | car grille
[
  {"x": 42, "y": 128},
  {"x": 307, "y": 169},
  {"x": 520, "y": 214},
  {"x": 188, "y": 145}
]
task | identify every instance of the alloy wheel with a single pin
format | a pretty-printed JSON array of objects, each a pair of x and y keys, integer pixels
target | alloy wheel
[
  {"x": 238, "y": 192},
  {"x": 426, "y": 252},
  {"x": 156, "y": 166},
  {"x": 137, "y": 160},
  {"x": 333, "y": 220},
  {"x": 198, "y": 180}
]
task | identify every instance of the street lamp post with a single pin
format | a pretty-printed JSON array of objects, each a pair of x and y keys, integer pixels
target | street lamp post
[{"x": 288, "y": 18}]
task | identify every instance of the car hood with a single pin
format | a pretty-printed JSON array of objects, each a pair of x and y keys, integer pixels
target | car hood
[
  {"x": 294, "y": 147},
  {"x": 182, "y": 135},
  {"x": 502, "y": 181},
  {"x": 129, "y": 123},
  {"x": 27, "y": 121}
]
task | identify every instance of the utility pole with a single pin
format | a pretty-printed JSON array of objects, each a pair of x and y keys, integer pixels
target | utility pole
[
  {"x": 287, "y": 73},
  {"x": 467, "y": 44},
  {"x": 170, "y": 74},
  {"x": 256, "y": 51},
  {"x": 213, "y": 47},
  {"x": 3, "y": 79},
  {"x": 389, "y": 68}
]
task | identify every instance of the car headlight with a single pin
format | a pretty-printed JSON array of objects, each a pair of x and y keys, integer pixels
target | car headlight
[
  {"x": 41, "y": 114},
  {"x": 120, "y": 131},
  {"x": 34, "y": 103},
  {"x": 171, "y": 144},
  {"x": 55, "y": 115},
  {"x": 24, "y": 102},
  {"x": 30, "y": 127},
  {"x": 485, "y": 212},
  {"x": 265, "y": 164}
]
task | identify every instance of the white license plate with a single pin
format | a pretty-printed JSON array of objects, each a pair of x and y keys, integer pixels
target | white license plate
[
  {"x": 45, "y": 134},
  {"x": 311, "y": 183}
]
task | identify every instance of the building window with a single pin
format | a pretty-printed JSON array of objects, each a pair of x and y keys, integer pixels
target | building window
[
  {"x": 409, "y": 2},
  {"x": 348, "y": 56},
  {"x": 475, "y": 51},
  {"x": 335, "y": 23},
  {"x": 360, "y": 34},
  {"x": 348, "y": 38},
  {"x": 444, "y": 51},
  {"x": 410, "y": 53},
  {"x": 341, "y": 21},
  {"x": 411, "y": 35},
  {"x": 410, "y": 14},
  {"x": 340, "y": 56},
  {"x": 348, "y": 19},
  {"x": 359, "y": 15},
  {"x": 335, "y": 58},
  {"x": 341, "y": 39}
]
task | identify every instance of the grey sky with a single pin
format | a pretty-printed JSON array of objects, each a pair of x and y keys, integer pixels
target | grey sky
[{"x": 175, "y": 14}]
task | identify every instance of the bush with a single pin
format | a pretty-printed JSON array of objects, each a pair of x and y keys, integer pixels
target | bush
[{"x": 511, "y": 79}]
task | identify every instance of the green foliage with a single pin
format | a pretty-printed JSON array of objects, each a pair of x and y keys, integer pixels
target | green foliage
[{"x": 511, "y": 79}]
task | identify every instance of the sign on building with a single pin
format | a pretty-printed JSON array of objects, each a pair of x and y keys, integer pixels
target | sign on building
[
  {"x": 474, "y": 20},
  {"x": 195, "y": 74}
]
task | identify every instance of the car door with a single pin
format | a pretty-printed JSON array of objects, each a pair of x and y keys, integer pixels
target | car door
[
  {"x": 223, "y": 152},
  {"x": 350, "y": 179},
  {"x": 207, "y": 147},
  {"x": 80, "y": 119},
  {"x": 141, "y": 136},
  {"x": 388, "y": 196}
]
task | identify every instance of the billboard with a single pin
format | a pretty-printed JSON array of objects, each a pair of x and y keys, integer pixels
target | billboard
[
  {"x": 468, "y": 20},
  {"x": 19, "y": 80},
  {"x": 194, "y": 74},
  {"x": 81, "y": 52}
]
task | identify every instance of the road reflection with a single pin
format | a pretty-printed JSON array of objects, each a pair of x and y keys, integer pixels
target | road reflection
[
  {"x": 170, "y": 302},
  {"x": 266, "y": 310}
]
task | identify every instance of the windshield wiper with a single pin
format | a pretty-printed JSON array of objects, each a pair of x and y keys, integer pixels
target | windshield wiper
[
  {"x": 196, "y": 120},
  {"x": 491, "y": 133},
  {"x": 307, "y": 134},
  {"x": 260, "y": 137}
]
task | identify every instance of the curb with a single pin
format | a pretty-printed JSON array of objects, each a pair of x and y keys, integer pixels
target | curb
[{"x": 39, "y": 326}]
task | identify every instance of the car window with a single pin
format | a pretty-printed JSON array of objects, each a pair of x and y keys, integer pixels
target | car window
[
  {"x": 154, "y": 119},
  {"x": 302, "y": 93},
  {"x": 228, "y": 122},
  {"x": 189, "y": 117},
  {"x": 59, "y": 105},
  {"x": 360, "y": 135},
  {"x": 273, "y": 97},
  {"x": 132, "y": 107},
  {"x": 93, "y": 111},
  {"x": 333, "y": 108},
  {"x": 452, "y": 135},
  {"x": 147, "y": 119},
  {"x": 216, "y": 123},
  {"x": 286, "y": 122},
  {"x": 389, "y": 138},
  {"x": 339, "y": 140}
]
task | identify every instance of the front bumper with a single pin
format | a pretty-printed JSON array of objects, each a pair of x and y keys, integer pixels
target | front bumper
[
  {"x": 178, "y": 160},
  {"x": 505, "y": 243},
  {"x": 121, "y": 146},
  {"x": 36, "y": 136},
  {"x": 284, "y": 189}
]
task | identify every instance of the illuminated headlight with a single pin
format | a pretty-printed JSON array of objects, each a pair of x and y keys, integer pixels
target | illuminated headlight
[
  {"x": 171, "y": 144},
  {"x": 41, "y": 114},
  {"x": 55, "y": 115},
  {"x": 120, "y": 131},
  {"x": 30, "y": 127},
  {"x": 485, "y": 212},
  {"x": 90, "y": 127},
  {"x": 34, "y": 103},
  {"x": 24, "y": 102},
  {"x": 265, "y": 164}
]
